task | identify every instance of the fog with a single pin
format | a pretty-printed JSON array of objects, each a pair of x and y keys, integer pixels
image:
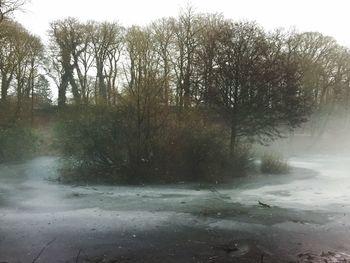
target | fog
[
  {"x": 309, "y": 216},
  {"x": 192, "y": 136}
]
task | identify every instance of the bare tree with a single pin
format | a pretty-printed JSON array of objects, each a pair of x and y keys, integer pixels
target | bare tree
[
  {"x": 67, "y": 43},
  {"x": 259, "y": 84},
  {"x": 28, "y": 57},
  {"x": 163, "y": 32},
  {"x": 213, "y": 30},
  {"x": 10, "y": 32},
  {"x": 8, "y": 7},
  {"x": 143, "y": 94},
  {"x": 186, "y": 29},
  {"x": 107, "y": 44}
]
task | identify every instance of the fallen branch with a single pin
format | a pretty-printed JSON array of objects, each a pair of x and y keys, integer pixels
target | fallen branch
[
  {"x": 228, "y": 248},
  {"x": 264, "y": 205},
  {"x": 77, "y": 259},
  {"x": 42, "y": 250}
]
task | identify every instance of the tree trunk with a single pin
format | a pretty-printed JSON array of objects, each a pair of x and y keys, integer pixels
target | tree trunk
[
  {"x": 32, "y": 100},
  {"x": 5, "y": 85},
  {"x": 62, "y": 92},
  {"x": 75, "y": 89},
  {"x": 3, "y": 91},
  {"x": 101, "y": 83},
  {"x": 233, "y": 139}
]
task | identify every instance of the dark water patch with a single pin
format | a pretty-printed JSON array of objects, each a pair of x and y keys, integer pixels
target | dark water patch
[
  {"x": 183, "y": 244},
  {"x": 264, "y": 216},
  {"x": 76, "y": 195},
  {"x": 173, "y": 196},
  {"x": 329, "y": 256},
  {"x": 260, "y": 180}
]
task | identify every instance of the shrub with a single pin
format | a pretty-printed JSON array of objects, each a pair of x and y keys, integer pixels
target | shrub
[
  {"x": 191, "y": 152},
  {"x": 243, "y": 158},
  {"x": 92, "y": 142},
  {"x": 273, "y": 164},
  {"x": 16, "y": 143},
  {"x": 106, "y": 144}
]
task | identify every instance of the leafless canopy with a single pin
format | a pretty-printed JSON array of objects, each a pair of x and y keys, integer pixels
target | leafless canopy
[{"x": 7, "y": 7}]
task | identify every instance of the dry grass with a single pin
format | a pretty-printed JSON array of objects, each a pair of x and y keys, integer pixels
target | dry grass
[{"x": 274, "y": 164}]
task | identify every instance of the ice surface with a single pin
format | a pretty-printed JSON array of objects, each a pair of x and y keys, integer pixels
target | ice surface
[{"x": 310, "y": 206}]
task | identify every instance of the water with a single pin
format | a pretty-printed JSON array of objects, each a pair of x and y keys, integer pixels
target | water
[{"x": 308, "y": 215}]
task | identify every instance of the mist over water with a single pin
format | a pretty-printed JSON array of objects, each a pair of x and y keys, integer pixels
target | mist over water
[
  {"x": 309, "y": 211},
  {"x": 194, "y": 138}
]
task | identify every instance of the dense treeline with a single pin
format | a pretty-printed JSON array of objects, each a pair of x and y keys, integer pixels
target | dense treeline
[
  {"x": 23, "y": 84},
  {"x": 21, "y": 56},
  {"x": 176, "y": 99}
]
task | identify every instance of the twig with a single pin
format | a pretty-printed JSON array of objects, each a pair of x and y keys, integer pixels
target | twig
[
  {"x": 264, "y": 205},
  {"x": 77, "y": 259},
  {"x": 42, "y": 250}
]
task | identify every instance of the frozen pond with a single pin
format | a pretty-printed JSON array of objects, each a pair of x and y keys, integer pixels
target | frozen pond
[{"x": 43, "y": 221}]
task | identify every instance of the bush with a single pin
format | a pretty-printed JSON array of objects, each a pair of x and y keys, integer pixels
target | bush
[
  {"x": 102, "y": 144},
  {"x": 243, "y": 158},
  {"x": 273, "y": 164},
  {"x": 93, "y": 142},
  {"x": 16, "y": 143},
  {"x": 191, "y": 152}
]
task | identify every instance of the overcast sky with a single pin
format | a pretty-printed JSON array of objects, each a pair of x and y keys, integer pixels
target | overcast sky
[{"x": 331, "y": 17}]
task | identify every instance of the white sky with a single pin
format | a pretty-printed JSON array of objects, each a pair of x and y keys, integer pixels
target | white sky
[{"x": 331, "y": 17}]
